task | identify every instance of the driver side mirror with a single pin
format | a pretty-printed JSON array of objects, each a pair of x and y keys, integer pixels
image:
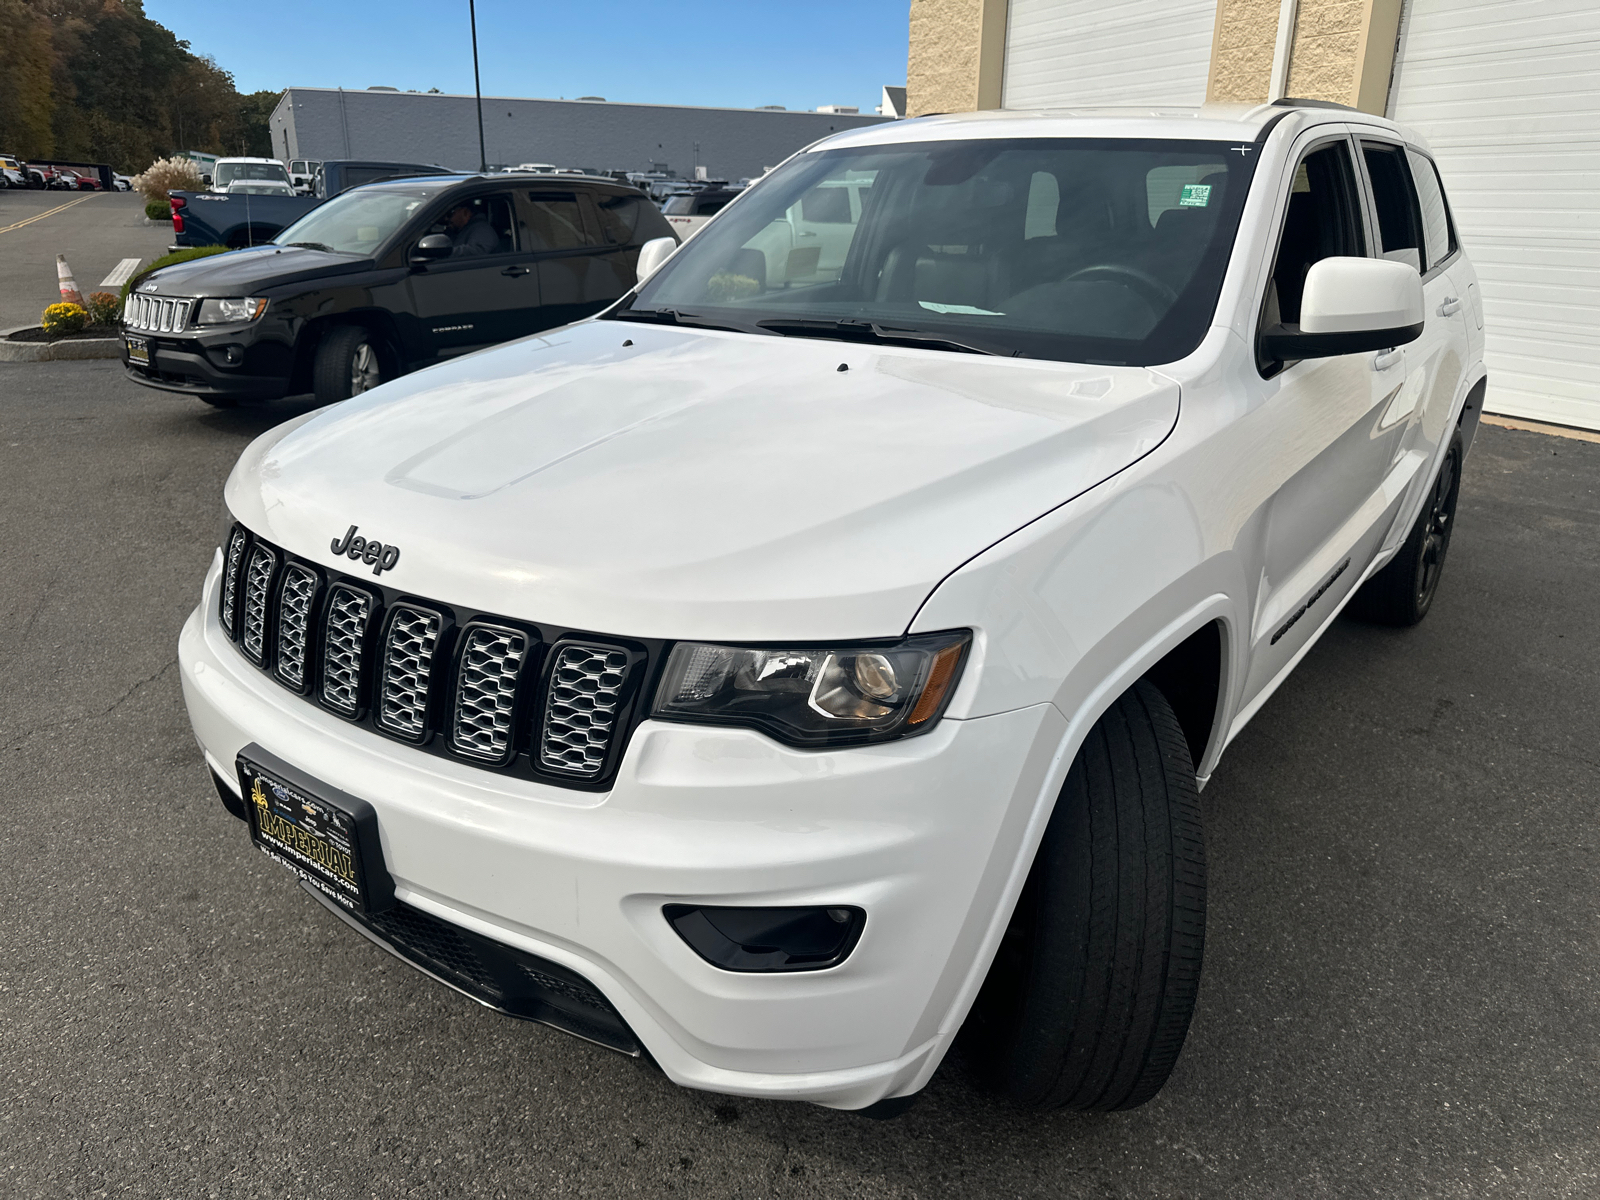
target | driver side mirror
[
  {"x": 206, "y": 180},
  {"x": 1351, "y": 305},
  {"x": 652, "y": 254},
  {"x": 435, "y": 245}
]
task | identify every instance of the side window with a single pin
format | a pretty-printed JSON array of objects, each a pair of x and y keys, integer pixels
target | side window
[
  {"x": 619, "y": 217},
  {"x": 1437, "y": 235},
  {"x": 825, "y": 205},
  {"x": 1044, "y": 204},
  {"x": 485, "y": 227},
  {"x": 1322, "y": 220},
  {"x": 1399, "y": 215},
  {"x": 555, "y": 222}
]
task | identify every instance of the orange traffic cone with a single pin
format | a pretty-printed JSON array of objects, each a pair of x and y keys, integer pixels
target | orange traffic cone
[{"x": 69, "y": 286}]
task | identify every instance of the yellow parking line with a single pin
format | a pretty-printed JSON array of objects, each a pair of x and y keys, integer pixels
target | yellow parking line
[{"x": 49, "y": 212}]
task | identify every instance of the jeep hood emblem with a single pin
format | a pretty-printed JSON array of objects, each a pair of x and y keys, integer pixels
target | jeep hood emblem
[{"x": 371, "y": 551}]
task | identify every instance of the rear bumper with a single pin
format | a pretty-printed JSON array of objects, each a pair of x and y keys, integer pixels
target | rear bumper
[{"x": 922, "y": 835}]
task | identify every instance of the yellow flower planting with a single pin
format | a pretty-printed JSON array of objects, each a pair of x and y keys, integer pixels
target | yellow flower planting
[{"x": 64, "y": 318}]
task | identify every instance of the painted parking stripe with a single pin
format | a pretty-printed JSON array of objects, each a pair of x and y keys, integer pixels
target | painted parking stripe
[
  {"x": 123, "y": 272},
  {"x": 49, "y": 212}
]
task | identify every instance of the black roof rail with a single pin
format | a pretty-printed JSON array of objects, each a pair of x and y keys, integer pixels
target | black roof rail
[{"x": 1292, "y": 102}]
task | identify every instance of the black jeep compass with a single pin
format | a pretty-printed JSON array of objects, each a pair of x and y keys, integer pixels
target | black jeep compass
[{"x": 385, "y": 279}]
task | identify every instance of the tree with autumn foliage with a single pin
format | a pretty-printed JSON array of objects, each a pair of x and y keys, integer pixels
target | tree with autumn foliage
[{"x": 98, "y": 81}]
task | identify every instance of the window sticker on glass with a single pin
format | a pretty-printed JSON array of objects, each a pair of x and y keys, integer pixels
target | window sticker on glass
[
  {"x": 968, "y": 310},
  {"x": 1195, "y": 195}
]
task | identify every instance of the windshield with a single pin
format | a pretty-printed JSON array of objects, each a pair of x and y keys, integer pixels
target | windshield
[
  {"x": 356, "y": 222},
  {"x": 226, "y": 172},
  {"x": 1089, "y": 250}
]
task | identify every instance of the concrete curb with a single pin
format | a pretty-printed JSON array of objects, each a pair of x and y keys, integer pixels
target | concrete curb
[{"x": 74, "y": 349}]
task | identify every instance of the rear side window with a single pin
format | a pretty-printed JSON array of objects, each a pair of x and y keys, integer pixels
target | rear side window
[
  {"x": 678, "y": 206},
  {"x": 1399, "y": 214},
  {"x": 555, "y": 222},
  {"x": 1439, "y": 238},
  {"x": 619, "y": 217}
]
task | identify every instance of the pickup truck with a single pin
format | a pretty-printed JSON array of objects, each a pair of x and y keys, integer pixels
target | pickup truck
[{"x": 236, "y": 221}]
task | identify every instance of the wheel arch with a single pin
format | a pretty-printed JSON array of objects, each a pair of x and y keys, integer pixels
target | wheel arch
[{"x": 376, "y": 321}]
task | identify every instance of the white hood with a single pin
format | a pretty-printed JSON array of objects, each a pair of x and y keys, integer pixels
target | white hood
[{"x": 697, "y": 484}]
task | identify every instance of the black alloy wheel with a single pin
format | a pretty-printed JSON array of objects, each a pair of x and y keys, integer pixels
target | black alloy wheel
[{"x": 1403, "y": 591}]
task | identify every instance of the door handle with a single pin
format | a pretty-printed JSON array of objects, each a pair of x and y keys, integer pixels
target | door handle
[
  {"x": 1450, "y": 307},
  {"x": 515, "y": 271},
  {"x": 1384, "y": 359}
]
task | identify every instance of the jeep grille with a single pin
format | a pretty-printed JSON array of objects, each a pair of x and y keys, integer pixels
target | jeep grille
[{"x": 457, "y": 683}]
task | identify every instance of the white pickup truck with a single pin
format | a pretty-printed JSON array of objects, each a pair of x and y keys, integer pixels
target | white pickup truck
[{"x": 818, "y": 654}]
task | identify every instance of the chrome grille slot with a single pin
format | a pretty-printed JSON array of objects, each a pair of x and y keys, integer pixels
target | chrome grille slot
[
  {"x": 486, "y": 691},
  {"x": 158, "y": 314},
  {"x": 580, "y": 714},
  {"x": 231, "y": 563},
  {"x": 344, "y": 636},
  {"x": 407, "y": 667},
  {"x": 257, "y": 583},
  {"x": 295, "y": 599}
]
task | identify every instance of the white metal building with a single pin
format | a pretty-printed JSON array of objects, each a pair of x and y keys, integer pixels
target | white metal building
[{"x": 1506, "y": 91}]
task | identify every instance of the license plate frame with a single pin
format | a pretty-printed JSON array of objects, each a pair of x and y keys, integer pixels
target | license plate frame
[
  {"x": 138, "y": 349},
  {"x": 328, "y": 838}
]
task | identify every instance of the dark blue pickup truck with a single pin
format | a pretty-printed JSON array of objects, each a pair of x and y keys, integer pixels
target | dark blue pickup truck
[{"x": 237, "y": 220}]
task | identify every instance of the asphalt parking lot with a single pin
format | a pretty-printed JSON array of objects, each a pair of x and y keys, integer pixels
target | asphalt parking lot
[
  {"x": 1401, "y": 978},
  {"x": 95, "y": 230}
]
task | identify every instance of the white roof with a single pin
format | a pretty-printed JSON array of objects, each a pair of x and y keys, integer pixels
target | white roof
[{"x": 1209, "y": 122}]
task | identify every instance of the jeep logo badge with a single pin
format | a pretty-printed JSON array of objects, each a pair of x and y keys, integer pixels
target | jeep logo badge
[{"x": 374, "y": 553}]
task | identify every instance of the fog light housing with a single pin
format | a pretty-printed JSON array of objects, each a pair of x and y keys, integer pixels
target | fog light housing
[
  {"x": 769, "y": 939},
  {"x": 230, "y": 355}
]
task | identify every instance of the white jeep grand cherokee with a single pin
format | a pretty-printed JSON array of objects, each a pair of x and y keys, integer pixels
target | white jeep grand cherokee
[{"x": 817, "y": 656}]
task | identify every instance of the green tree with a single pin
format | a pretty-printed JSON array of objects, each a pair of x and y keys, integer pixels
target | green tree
[{"x": 26, "y": 96}]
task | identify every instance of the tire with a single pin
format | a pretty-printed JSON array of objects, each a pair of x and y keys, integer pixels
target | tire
[
  {"x": 1402, "y": 592},
  {"x": 1089, "y": 999},
  {"x": 349, "y": 361}
]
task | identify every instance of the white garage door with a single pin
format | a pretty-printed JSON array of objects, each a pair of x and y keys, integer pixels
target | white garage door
[
  {"x": 1062, "y": 53},
  {"x": 1508, "y": 94}
]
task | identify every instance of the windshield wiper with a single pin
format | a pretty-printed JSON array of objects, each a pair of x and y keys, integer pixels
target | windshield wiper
[
  {"x": 671, "y": 316},
  {"x": 315, "y": 246},
  {"x": 851, "y": 329}
]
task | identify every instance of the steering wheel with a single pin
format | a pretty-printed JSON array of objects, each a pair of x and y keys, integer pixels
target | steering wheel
[{"x": 1141, "y": 281}]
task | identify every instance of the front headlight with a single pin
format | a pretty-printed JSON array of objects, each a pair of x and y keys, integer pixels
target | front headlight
[
  {"x": 230, "y": 311},
  {"x": 816, "y": 696}
]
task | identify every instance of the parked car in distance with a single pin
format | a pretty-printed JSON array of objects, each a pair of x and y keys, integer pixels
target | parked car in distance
[
  {"x": 818, "y": 655},
  {"x": 688, "y": 211},
  {"x": 229, "y": 219},
  {"x": 12, "y": 174},
  {"x": 85, "y": 182},
  {"x": 259, "y": 187},
  {"x": 379, "y": 281},
  {"x": 302, "y": 173},
  {"x": 227, "y": 171},
  {"x": 121, "y": 183}
]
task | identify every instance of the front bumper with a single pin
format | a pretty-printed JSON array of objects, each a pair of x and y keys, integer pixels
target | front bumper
[
  {"x": 191, "y": 362},
  {"x": 923, "y": 834}
]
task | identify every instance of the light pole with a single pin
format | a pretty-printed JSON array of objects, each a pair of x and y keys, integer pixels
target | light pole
[{"x": 477, "y": 85}]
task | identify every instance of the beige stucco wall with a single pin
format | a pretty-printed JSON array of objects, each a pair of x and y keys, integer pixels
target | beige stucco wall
[
  {"x": 1343, "y": 50},
  {"x": 1241, "y": 51},
  {"x": 956, "y": 56}
]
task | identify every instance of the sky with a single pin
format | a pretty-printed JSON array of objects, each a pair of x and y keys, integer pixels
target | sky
[{"x": 714, "y": 52}]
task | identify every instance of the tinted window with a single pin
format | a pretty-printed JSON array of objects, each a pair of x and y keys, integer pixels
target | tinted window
[
  {"x": 1322, "y": 220},
  {"x": 1437, "y": 235},
  {"x": 1399, "y": 216},
  {"x": 1030, "y": 246},
  {"x": 619, "y": 217},
  {"x": 555, "y": 221},
  {"x": 678, "y": 206},
  {"x": 485, "y": 227}
]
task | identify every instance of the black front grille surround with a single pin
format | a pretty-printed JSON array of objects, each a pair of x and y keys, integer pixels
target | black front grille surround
[{"x": 540, "y": 702}]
